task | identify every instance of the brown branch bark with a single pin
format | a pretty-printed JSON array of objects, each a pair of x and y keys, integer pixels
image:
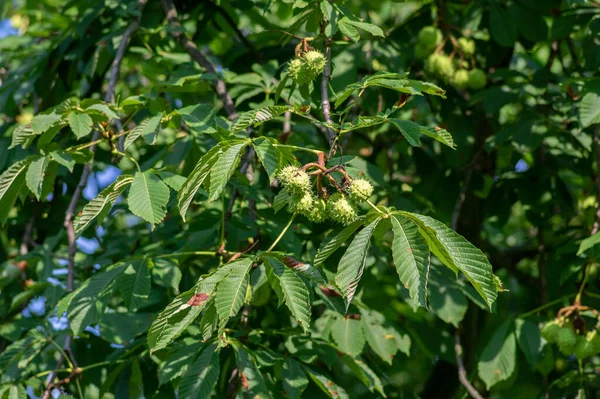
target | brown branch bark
[
  {"x": 597, "y": 153},
  {"x": 462, "y": 372},
  {"x": 325, "y": 105},
  {"x": 190, "y": 47}
]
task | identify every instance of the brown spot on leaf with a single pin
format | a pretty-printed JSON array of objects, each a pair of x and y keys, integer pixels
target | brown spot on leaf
[
  {"x": 354, "y": 316},
  {"x": 198, "y": 299},
  {"x": 406, "y": 285},
  {"x": 329, "y": 292},
  {"x": 388, "y": 336},
  {"x": 329, "y": 383},
  {"x": 244, "y": 381},
  {"x": 291, "y": 262},
  {"x": 497, "y": 372}
]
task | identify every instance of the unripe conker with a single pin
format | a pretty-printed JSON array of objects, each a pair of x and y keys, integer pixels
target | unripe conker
[{"x": 477, "y": 79}]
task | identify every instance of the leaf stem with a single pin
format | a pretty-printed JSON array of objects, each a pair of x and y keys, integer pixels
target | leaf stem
[
  {"x": 295, "y": 147},
  {"x": 544, "y": 306},
  {"x": 282, "y": 233},
  {"x": 132, "y": 159},
  {"x": 62, "y": 352},
  {"x": 374, "y": 207},
  {"x": 175, "y": 254}
]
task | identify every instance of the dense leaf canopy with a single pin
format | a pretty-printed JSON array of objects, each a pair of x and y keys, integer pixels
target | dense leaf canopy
[{"x": 299, "y": 198}]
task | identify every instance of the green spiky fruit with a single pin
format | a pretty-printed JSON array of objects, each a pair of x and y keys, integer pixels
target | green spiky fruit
[
  {"x": 301, "y": 203},
  {"x": 360, "y": 190},
  {"x": 461, "y": 79},
  {"x": 314, "y": 62},
  {"x": 297, "y": 71},
  {"x": 422, "y": 52},
  {"x": 587, "y": 346},
  {"x": 441, "y": 65},
  {"x": 340, "y": 209},
  {"x": 466, "y": 45},
  {"x": 477, "y": 79},
  {"x": 566, "y": 340},
  {"x": 429, "y": 37},
  {"x": 318, "y": 213},
  {"x": 295, "y": 179},
  {"x": 550, "y": 331}
]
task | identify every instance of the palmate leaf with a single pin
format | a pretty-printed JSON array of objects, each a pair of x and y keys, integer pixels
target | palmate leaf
[
  {"x": 232, "y": 290},
  {"x": 330, "y": 388},
  {"x": 268, "y": 155},
  {"x": 34, "y": 178},
  {"x": 99, "y": 207},
  {"x": 498, "y": 359},
  {"x": 41, "y": 123},
  {"x": 440, "y": 135},
  {"x": 80, "y": 124},
  {"x": 148, "y": 197},
  {"x": 364, "y": 374},
  {"x": 257, "y": 117},
  {"x": 352, "y": 264},
  {"x": 22, "y": 135},
  {"x": 177, "y": 362},
  {"x": 336, "y": 239},
  {"x": 411, "y": 257},
  {"x": 201, "y": 376},
  {"x": 200, "y": 118},
  {"x": 223, "y": 168},
  {"x": 184, "y": 309},
  {"x": 410, "y": 130},
  {"x": 294, "y": 378},
  {"x": 134, "y": 283},
  {"x": 209, "y": 321},
  {"x": 293, "y": 291},
  {"x": 11, "y": 182},
  {"x": 458, "y": 254}
]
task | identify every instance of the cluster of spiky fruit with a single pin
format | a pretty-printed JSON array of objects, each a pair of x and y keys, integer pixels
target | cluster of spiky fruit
[
  {"x": 306, "y": 67},
  {"x": 339, "y": 207},
  {"x": 561, "y": 332},
  {"x": 446, "y": 67}
]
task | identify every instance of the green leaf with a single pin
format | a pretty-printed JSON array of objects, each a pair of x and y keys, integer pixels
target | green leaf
[
  {"x": 502, "y": 26},
  {"x": 348, "y": 335},
  {"x": 199, "y": 118},
  {"x": 440, "y": 135},
  {"x": 64, "y": 159},
  {"x": 268, "y": 156},
  {"x": 411, "y": 257},
  {"x": 497, "y": 362},
  {"x": 136, "y": 385},
  {"x": 281, "y": 200},
  {"x": 11, "y": 182},
  {"x": 458, "y": 254},
  {"x": 209, "y": 321},
  {"x": 293, "y": 291},
  {"x": 259, "y": 116},
  {"x": 364, "y": 374},
  {"x": 232, "y": 291},
  {"x": 89, "y": 303},
  {"x": 530, "y": 340},
  {"x": 194, "y": 181},
  {"x": 148, "y": 197},
  {"x": 80, "y": 124},
  {"x": 252, "y": 383},
  {"x": 99, "y": 207},
  {"x": 446, "y": 299},
  {"x": 410, "y": 130},
  {"x": 41, "y": 123},
  {"x": 330, "y": 388},
  {"x": 223, "y": 168},
  {"x": 294, "y": 378},
  {"x": 177, "y": 362},
  {"x": 348, "y": 30},
  {"x": 184, "y": 309},
  {"x": 34, "y": 178},
  {"x": 379, "y": 338},
  {"x": 148, "y": 128},
  {"x": 588, "y": 243},
  {"x": 22, "y": 135},
  {"x": 589, "y": 109},
  {"x": 201, "y": 376},
  {"x": 352, "y": 264},
  {"x": 336, "y": 239},
  {"x": 372, "y": 29},
  {"x": 134, "y": 283}
]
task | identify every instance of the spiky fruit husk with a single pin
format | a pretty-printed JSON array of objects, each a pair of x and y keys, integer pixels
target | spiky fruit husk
[
  {"x": 466, "y": 45},
  {"x": 314, "y": 63},
  {"x": 295, "y": 179},
  {"x": 318, "y": 213},
  {"x": 429, "y": 37},
  {"x": 340, "y": 209},
  {"x": 477, "y": 79},
  {"x": 301, "y": 203},
  {"x": 461, "y": 79},
  {"x": 566, "y": 340},
  {"x": 422, "y": 52},
  {"x": 297, "y": 71},
  {"x": 360, "y": 190},
  {"x": 441, "y": 65},
  {"x": 550, "y": 331},
  {"x": 587, "y": 346}
]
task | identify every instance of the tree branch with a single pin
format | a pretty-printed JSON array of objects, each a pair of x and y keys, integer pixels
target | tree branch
[
  {"x": 190, "y": 47},
  {"x": 597, "y": 153},
  {"x": 462, "y": 372},
  {"x": 85, "y": 174},
  {"x": 325, "y": 105}
]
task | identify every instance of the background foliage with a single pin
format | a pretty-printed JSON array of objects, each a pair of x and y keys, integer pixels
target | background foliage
[{"x": 146, "y": 249}]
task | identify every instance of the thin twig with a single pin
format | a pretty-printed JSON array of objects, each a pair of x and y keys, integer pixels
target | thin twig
[
  {"x": 597, "y": 153},
  {"x": 190, "y": 47},
  {"x": 461, "y": 199},
  {"x": 26, "y": 242},
  {"x": 325, "y": 105},
  {"x": 462, "y": 372}
]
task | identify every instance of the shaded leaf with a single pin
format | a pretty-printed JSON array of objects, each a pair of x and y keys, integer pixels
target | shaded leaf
[{"x": 148, "y": 197}]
